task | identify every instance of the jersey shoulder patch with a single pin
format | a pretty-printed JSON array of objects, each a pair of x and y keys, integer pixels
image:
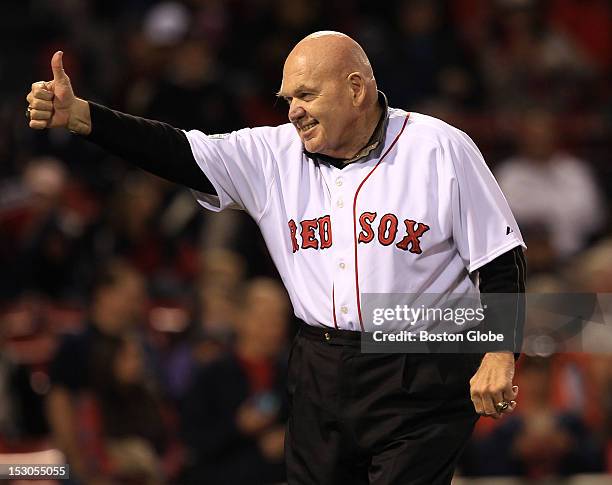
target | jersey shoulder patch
[{"x": 219, "y": 136}]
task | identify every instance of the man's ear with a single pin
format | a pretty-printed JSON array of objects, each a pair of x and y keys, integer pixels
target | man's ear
[{"x": 357, "y": 88}]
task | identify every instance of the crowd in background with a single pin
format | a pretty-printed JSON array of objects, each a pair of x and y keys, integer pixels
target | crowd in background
[{"x": 147, "y": 338}]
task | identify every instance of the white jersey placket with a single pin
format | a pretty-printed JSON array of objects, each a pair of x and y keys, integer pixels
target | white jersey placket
[{"x": 342, "y": 184}]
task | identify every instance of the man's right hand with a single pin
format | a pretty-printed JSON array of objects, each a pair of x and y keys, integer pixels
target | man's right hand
[{"x": 53, "y": 103}]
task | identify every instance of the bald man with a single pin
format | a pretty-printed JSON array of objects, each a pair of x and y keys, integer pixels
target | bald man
[{"x": 353, "y": 198}]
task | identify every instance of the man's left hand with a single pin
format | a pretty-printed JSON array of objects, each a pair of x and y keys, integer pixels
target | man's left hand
[{"x": 492, "y": 384}]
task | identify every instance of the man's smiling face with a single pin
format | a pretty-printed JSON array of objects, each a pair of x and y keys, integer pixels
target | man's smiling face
[{"x": 320, "y": 105}]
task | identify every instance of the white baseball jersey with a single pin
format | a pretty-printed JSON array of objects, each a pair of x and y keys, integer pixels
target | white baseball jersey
[{"x": 416, "y": 219}]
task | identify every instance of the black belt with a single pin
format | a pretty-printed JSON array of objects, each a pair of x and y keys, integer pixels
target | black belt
[{"x": 330, "y": 335}]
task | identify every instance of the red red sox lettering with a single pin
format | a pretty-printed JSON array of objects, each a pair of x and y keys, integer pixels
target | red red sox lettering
[
  {"x": 308, "y": 235},
  {"x": 317, "y": 233}
]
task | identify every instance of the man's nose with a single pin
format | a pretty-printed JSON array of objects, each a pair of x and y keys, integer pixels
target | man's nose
[{"x": 296, "y": 111}]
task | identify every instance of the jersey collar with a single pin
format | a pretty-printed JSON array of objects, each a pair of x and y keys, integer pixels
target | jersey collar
[{"x": 372, "y": 147}]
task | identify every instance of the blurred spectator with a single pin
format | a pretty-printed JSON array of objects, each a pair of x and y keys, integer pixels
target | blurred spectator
[
  {"x": 235, "y": 413},
  {"x": 212, "y": 330},
  {"x": 549, "y": 188},
  {"x": 130, "y": 229},
  {"x": 218, "y": 297},
  {"x": 194, "y": 79},
  {"x": 592, "y": 273},
  {"x": 117, "y": 307},
  {"x": 8, "y": 411},
  {"x": 153, "y": 225},
  {"x": 132, "y": 425},
  {"x": 222, "y": 267},
  {"x": 423, "y": 43},
  {"x": 537, "y": 442},
  {"x": 528, "y": 62},
  {"x": 42, "y": 230},
  {"x": 588, "y": 22},
  {"x": 544, "y": 258},
  {"x": 51, "y": 232},
  {"x": 166, "y": 23},
  {"x": 25, "y": 352},
  {"x": 602, "y": 367}
]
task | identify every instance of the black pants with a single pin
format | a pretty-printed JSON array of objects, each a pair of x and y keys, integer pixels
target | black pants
[{"x": 361, "y": 418}]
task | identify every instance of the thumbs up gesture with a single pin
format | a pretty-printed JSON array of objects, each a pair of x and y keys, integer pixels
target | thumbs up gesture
[{"x": 53, "y": 103}]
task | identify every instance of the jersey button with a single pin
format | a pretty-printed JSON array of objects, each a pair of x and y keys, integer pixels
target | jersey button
[
  {"x": 339, "y": 181},
  {"x": 342, "y": 265},
  {"x": 340, "y": 203},
  {"x": 344, "y": 309}
]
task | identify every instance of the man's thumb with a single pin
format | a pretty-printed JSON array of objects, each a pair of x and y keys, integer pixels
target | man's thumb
[{"x": 57, "y": 66}]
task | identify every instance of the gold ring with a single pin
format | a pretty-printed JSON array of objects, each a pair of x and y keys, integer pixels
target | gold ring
[
  {"x": 27, "y": 113},
  {"x": 502, "y": 406}
]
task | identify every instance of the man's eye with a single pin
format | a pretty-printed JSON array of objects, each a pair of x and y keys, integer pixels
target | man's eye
[{"x": 287, "y": 100}]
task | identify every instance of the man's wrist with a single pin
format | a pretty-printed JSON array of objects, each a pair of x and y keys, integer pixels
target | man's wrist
[
  {"x": 80, "y": 118},
  {"x": 500, "y": 355}
]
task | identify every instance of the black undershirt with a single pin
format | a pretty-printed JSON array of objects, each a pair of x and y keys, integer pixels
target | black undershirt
[
  {"x": 506, "y": 274},
  {"x": 154, "y": 146},
  {"x": 164, "y": 150}
]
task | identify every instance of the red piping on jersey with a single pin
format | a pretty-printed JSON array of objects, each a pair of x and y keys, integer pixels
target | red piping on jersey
[
  {"x": 355, "y": 220},
  {"x": 334, "y": 306}
]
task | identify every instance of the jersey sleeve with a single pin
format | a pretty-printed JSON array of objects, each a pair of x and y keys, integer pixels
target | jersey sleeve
[
  {"x": 483, "y": 225},
  {"x": 239, "y": 167}
]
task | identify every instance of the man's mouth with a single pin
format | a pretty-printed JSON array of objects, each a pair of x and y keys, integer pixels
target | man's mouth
[{"x": 308, "y": 126}]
